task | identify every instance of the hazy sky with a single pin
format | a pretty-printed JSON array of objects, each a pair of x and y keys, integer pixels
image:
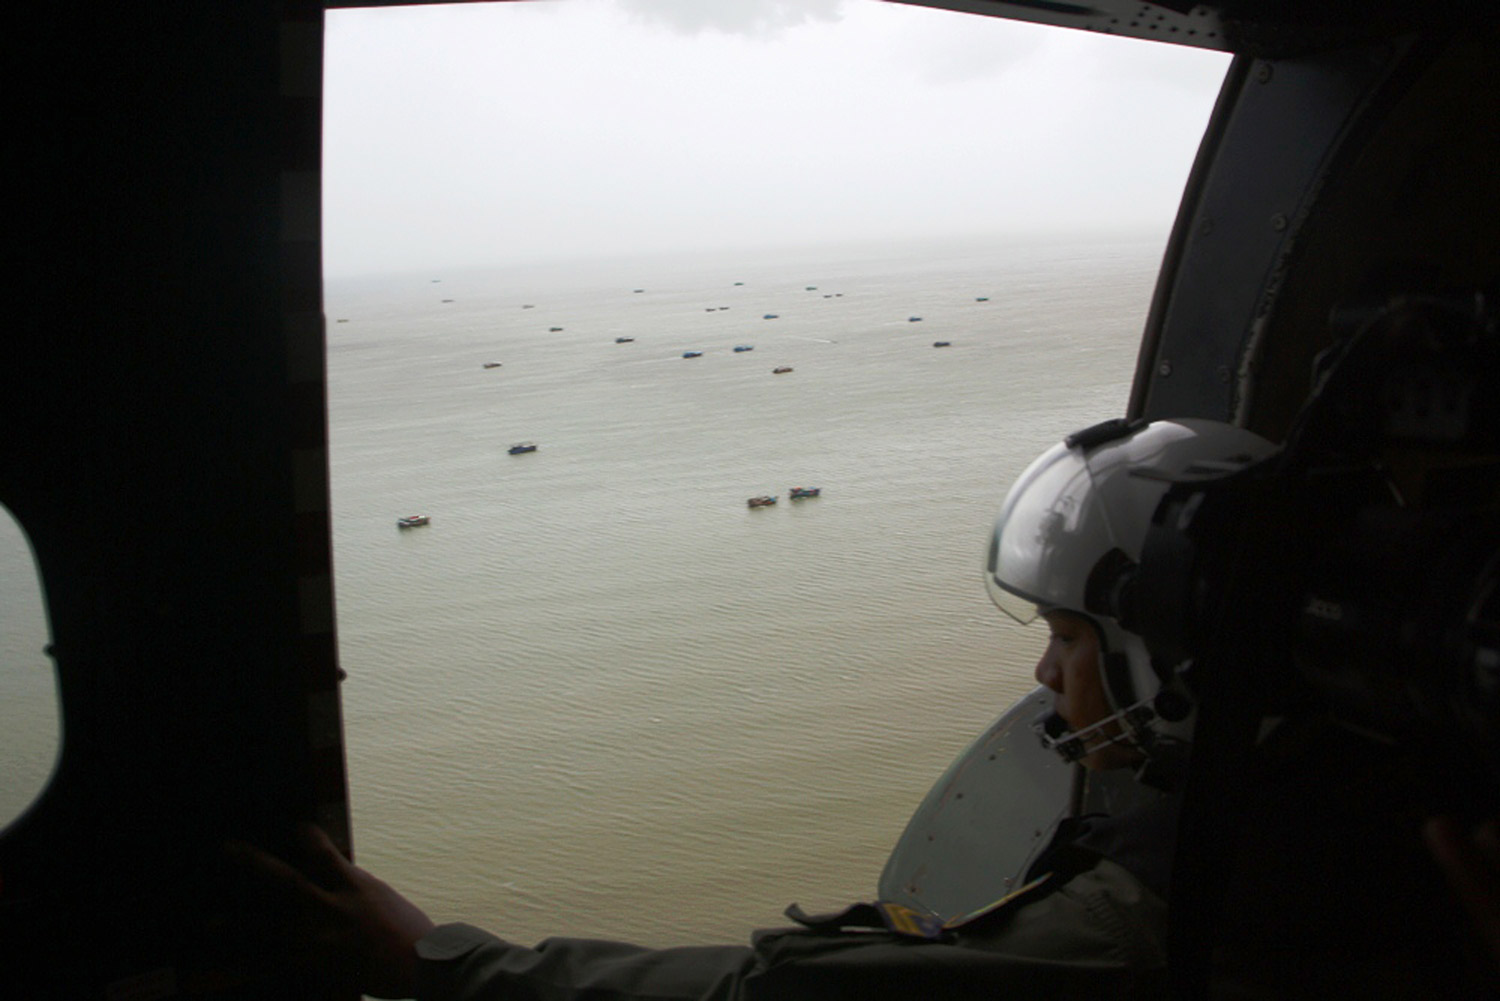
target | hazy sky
[{"x": 475, "y": 134}]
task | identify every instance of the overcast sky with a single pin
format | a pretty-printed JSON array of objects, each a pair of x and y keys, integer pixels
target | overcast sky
[{"x": 478, "y": 134}]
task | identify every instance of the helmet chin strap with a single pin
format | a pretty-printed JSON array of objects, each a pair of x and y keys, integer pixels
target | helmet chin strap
[{"x": 1071, "y": 745}]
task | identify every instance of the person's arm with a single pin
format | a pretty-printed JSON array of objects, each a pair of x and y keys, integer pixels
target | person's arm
[
  {"x": 458, "y": 962},
  {"x": 352, "y": 933},
  {"x": 1097, "y": 935}
]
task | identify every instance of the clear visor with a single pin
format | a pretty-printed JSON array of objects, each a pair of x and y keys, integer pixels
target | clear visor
[
  {"x": 1050, "y": 531},
  {"x": 1019, "y": 607}
]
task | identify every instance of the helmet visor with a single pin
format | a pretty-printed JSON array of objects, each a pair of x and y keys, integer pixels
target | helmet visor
[{"x": 1050, "y": 531}]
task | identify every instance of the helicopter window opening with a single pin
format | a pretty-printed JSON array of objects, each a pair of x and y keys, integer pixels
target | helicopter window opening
[
  {"x": 683, "y": 251},
  {"x": 28, "y": 690}
]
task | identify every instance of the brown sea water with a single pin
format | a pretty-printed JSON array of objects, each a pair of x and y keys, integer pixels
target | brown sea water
[{"x": 598, "y": 695}]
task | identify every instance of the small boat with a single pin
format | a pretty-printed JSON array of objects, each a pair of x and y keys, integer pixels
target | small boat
[
  {"x": 781, "y": 370},
  {"x": 491, "y": 364},
  {"x": 522, "y": 448},
  {"x": 639, "y": 291},
  {"x": 797, "y": 493},
  {"x": 913, "y": 319},
  {"x": 744, "y": 347},
  {"x": 554, "y": 330},
  {"x": 412, "y": 521},
  {"x": 812, "y": 288},
  {"x": 624, "y": 340},
  {"x": 763, "y": 501},
  {"x": 529, "y": 306},
  {"x": 983, "y": 298},
  {"x": 692, "y": 354},
  {"x": 739, "y": 283},
  {"x": 942, "y": 344},
  {"x": 769, "y": 316}
]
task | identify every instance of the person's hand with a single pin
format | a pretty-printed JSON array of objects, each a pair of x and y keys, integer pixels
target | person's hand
[
  {"x": 340, "y": 924},
  {"x": 1471, "y": 861}
]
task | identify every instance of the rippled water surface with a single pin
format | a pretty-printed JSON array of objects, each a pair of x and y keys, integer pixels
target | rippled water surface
[{"x": 598, "y": 695}]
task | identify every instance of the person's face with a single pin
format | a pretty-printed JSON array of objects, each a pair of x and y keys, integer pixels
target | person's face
[{"x": 1070, "y": 667}]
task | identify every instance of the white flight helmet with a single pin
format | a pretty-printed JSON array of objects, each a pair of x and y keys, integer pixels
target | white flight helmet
[{"x": 1074, "y": 518}]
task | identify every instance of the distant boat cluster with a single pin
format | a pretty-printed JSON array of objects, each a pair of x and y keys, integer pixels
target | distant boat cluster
[
  {"x": 764, "y": 500},
  {"x": 739, "y": 348}
]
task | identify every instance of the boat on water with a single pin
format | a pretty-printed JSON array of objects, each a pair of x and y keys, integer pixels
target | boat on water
[
  {"x": 770, "y": 316},
  {"x": 624, "y": 340},
  {"x": 491, "y": 364},
  {"x": 523, "y": 447},
  {"x": 413, "y": 520},
  {"x": 744, "y": 347},
  {"x": 554, "y": 330},
  {"x": 763, "y": 501},
  {"x": 781, "y": 370},
  {"x": 798, "y": 493},
  {"x": 983, "y": 298},
  {"x": 692, "y": 354},
  {"x": 942, "y": 344},
  {"x": 913, "y": 319}
]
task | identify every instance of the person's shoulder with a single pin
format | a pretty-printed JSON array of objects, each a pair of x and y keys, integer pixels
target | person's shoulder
[{"x": 1103, "y": 913}]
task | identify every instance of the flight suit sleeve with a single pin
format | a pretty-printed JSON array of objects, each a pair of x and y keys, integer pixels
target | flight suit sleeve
[
  {"x": 1098, "y": 935},
  {"x": 461, "y": 963}
]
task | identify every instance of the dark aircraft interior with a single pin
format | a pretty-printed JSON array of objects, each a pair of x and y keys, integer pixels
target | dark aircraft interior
[{"x": 1330, "y": 282}]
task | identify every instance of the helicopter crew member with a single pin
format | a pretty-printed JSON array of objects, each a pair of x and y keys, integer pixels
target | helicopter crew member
[{"x": 1090, "y": 921}]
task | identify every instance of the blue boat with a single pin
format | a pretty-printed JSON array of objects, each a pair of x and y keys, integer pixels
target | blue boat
[
  {"x": 744, "y": 347},
  {"x": 769, "y": 316},
  {"x": 797, "y": 493},
  {"x": 692, "y": 354},
  {"x": 523, "y": 447}
]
